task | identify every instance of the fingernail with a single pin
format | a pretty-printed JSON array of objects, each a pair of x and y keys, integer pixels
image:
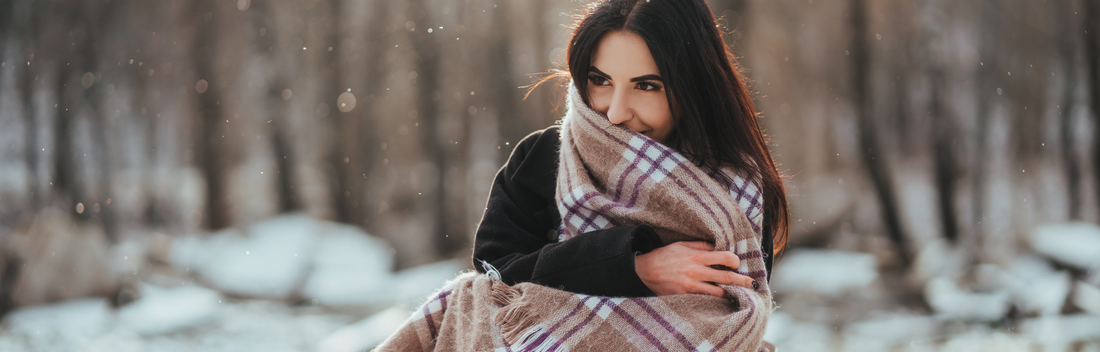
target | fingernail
[{"x": 755, "y": 285}]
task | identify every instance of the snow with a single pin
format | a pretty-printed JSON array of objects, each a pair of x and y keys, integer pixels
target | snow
[
  {"x": 982, "y": 340},
  {"x": 827, "y": 272},
  {"x": 804, "y": 336},
  {"x": 335, "y": 264},
  {"x": 271, "y": 262},
  {"x": 1086, "y": 297},
  {"x": 350, "y": 268},
  {"x": 366, "y": 333},
  {"x": 414, "y": 285},
  {"x": 1035, "y": 286},
  {"x": 1076, "y": 244},
  {"x": 778, "y": 327},
  {"x": 952, "y": 303},
  {"x": 888, "y": 329},
  {"x": 1057, "y": 332},
  {"x": 76, "y": 319},
  {"x": 126, "y": 258},
  {"x": 163, "y": 310}
]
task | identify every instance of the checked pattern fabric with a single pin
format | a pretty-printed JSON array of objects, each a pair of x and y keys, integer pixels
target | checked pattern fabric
[{"x": 611, "y": 176}]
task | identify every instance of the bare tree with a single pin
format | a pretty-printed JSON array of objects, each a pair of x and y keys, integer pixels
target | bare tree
[{"x": 871, "y": 153}]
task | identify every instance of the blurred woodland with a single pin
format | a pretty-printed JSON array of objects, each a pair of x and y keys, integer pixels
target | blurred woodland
[{"x": 903, "y": 127}]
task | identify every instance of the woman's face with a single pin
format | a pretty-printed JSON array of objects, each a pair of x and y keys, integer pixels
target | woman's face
[{"x": 624, "y": 84}]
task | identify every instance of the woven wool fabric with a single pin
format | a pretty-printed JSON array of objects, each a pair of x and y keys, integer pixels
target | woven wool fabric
[{"x": 611, "y": 176}]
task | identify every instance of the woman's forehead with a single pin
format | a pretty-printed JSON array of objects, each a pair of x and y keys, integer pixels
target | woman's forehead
[{"x": 624, "y": 54}]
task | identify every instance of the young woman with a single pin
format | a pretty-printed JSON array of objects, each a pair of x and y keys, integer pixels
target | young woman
[
  {"x": 657, "y": 183},
  {"x": 659, "y": 68}
]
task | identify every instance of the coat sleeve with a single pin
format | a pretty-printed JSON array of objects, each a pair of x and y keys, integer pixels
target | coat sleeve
[{"x": 518, "y": 237}]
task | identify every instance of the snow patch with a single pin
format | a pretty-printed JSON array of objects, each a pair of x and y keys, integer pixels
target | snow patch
[
  {"x": 952, "y": 303},
  {"x": 350, "y": 268},
  {"x": 414, "y": 285},
  {"x": 271, "y": 262},
  {"x": 76, "y": 319},
  {"x": 827, "y": 272},
  {"x": 163, "y": 310},
  {"x": 366, "y": 333},
  {"x": 1076, "y": 244}
]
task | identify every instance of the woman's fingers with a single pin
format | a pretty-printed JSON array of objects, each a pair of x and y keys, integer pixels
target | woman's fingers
[
  {"x": 697, "y": 245},
  {"x": 723, "y": 258},
  {"x": 727, "y": 278},
  {"x": 690, "y": 267},
  {"x": 708, "y": 289}
]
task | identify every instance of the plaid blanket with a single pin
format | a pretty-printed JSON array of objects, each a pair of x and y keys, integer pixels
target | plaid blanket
[{"x": 611, "y": 176}]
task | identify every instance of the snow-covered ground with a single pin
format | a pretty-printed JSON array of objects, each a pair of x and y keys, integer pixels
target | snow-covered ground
[
  {"x": 290, "y": 283},
  {"x": 294, "y": 283}
]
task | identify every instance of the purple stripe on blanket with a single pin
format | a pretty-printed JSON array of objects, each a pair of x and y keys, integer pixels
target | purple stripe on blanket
[
  {"x": 753, "y": 329},
  {"x": 700, "y": 200},
  {"x": 573, "y": 210},
  {"x": 752, "y": 313},
  {"x": 626, "y": 172},
  {"x": 750, "y": 255},
  {"x": 664, "y": 323},
  {"x": 666, "y": 153},
  {"x": 637, "y": 326},
  {"x": 569, "y": 334},
  {"x": 753, "y": 204},
  {"x": 713, "y": 198},
  {"x": 757, "y": 275},
  {"x": 679, "y": 182},
  {"x": 442, "y": 298}
]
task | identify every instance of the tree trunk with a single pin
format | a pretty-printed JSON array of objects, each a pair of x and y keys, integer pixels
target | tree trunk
[{"x": 868, "y": 140}]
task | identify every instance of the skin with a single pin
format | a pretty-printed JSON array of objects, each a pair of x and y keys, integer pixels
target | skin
[{"x": 625, "y": 84}]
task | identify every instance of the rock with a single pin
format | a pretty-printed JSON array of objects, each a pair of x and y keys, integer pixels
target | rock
[
  {"x": 1086, "y": 297},
  {"x": 1076, "y": 244},
  {"x": 1034, "y": 285},
  {"x": 952, "y": 303},
  {"x": 60, "y": 259},
  {"x": 270, "y": 262},
  {"x": 65, "y": 321},
  {"x": 350, "y": 268},
  {"x": 827, "y": 272},
  {"x": 414, "y": 285},
  {"x": 366, "y": 333},
  {"x": 162, "y": 310},
  {"x": 887, "y": 330}
]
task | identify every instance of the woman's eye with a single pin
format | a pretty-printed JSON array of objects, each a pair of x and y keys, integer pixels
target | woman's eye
[
  {"x": 597, "y": 80},
  {"x": 648, "y": 86}
]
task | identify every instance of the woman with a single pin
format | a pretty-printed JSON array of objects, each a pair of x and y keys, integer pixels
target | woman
[
  {"x": 622, "y": 228},
  {"x": 637, "y": 63}
]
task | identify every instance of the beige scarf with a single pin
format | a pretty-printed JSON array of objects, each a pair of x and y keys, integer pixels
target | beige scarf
[{"x": 611, "y": 176}]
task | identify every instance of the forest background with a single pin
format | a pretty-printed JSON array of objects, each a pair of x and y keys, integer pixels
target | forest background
[{"x": 932, "y": 137}]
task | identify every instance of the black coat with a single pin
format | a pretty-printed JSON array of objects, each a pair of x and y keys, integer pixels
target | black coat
[{"x": 518, "y": 233}]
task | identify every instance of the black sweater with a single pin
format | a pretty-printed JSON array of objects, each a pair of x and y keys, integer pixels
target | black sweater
[{"x": 518, "y": 233}]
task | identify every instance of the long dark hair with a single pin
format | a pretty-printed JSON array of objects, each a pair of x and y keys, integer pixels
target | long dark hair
[{"x": 715, "y": 123}]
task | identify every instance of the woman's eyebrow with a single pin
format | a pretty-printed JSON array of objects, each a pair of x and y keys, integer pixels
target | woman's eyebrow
[{"x": 649, "y": 77}]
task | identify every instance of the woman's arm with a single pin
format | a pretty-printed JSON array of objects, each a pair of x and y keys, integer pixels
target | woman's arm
[{"x": 518, "y": 236}]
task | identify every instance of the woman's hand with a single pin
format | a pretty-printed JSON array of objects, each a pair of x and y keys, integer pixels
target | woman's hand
[{"x": 685, "y": 267}]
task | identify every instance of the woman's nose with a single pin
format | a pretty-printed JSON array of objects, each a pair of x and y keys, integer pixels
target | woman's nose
[{"x": 619, "y": 111}]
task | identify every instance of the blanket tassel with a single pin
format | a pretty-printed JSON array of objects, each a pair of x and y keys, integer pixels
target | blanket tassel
[{"x": 514, "y": 317}]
